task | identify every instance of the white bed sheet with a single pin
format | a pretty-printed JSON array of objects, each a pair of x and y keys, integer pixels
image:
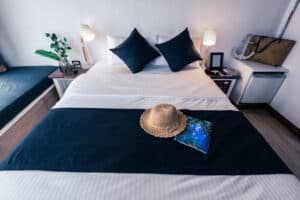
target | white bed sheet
[
  {"x": 114, "y": 87},
  {"x": 112, "y": 186}
]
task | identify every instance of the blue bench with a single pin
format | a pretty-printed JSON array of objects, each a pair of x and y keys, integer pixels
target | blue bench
[{"x": 19, "y": 86}]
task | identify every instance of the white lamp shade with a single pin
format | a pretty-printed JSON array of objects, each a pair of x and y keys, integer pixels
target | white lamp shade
[
  {"x": 210, "y": 38},
  {"x": 87, "y": 33}
]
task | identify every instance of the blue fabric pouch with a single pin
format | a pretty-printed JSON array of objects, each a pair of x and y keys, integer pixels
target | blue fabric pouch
[{"x": 197, "y": 135}]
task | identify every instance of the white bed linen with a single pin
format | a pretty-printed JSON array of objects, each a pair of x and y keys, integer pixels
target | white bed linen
[
  {"x": 114, "y": 86},
  {"x": 111, "y": 186},
  {"x": 98, "y": 88}
]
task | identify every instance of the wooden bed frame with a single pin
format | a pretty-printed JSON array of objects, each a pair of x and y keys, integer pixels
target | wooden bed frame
[{"x": 18, "y": 127}]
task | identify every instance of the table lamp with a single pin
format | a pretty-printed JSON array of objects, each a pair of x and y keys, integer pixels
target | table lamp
[
  {"x": 87, "y": 35},
  {"x": 209, "y": 40}
]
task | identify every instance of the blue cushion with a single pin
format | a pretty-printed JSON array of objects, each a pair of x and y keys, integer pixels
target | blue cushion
[
  {"x": 19, "y": 86},
  {"x": 135, "y": 51},
  {"x": 179, "y": 51}
]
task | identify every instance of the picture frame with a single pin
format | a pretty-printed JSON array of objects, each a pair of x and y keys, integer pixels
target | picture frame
[{"x": 216, "y": 61}]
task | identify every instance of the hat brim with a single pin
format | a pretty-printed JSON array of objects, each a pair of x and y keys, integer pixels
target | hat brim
[{"x": 178, "y": 126}]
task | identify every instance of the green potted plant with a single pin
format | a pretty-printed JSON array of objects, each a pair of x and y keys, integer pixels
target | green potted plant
[{"x": 60, "y": 47}]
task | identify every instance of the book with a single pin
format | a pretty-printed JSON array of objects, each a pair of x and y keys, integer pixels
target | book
[{"x": 197, "y": 134}]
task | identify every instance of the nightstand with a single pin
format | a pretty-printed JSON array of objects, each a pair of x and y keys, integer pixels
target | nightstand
[
  {"x": 225, "y": 81},
  {"x": 62, "y": 81}
]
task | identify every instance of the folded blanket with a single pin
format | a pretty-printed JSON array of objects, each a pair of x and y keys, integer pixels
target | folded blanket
[{"x": 111, "y": 140}]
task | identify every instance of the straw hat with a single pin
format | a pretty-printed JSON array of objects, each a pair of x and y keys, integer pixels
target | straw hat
[{"x": 163, "y": 120}]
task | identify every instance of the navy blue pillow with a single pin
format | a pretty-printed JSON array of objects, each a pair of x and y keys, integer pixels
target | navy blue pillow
[
  {"x": 179, "y": 51},
  {"x": 135, "y": 51}
]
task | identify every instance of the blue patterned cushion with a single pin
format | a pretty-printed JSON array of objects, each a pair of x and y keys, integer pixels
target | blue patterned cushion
[
  {"x": 135, "y": 51},
  {"x": 179, "y": 51},
  {"x": 197, "y": 135}
]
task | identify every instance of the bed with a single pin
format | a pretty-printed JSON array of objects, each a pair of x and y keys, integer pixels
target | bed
[
  {"x": 117, "y": 87},
  {"x": 19, "y": 87},
  {"x": 90, "y": 145}
]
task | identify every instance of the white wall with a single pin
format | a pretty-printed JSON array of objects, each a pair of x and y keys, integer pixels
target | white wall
[
  {"x": 23, "y": 23},
  {"x": 287, "y": 100}
]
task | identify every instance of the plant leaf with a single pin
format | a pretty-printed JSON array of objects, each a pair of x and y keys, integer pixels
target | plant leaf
[
  {"x": 65, "y": 39},
  {"x": 47, "y": 54},
  {"x": 52, "y": 45},
  {"x": 54, "y": 37},
  {"x": 47, "y": 34}
]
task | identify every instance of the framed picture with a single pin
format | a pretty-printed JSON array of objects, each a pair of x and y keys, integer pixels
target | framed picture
[{"x": 216, "y": 61}]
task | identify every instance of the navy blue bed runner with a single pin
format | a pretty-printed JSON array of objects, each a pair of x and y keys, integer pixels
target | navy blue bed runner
[{"x": 111, "y": 140}]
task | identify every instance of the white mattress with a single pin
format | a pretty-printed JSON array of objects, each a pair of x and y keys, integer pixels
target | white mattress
[{"x": 114, "y": 87}]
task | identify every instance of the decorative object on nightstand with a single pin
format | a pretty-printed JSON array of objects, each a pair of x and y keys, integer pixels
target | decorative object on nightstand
[
  {"x": 87, "y": 35},
  {"x": 62, "y": 80},
  {"x": 225, "y": 78},
  {"x": 60, "y": 46},
  {"x": 76, "y": 66},
  {"x": 209, "y": 40},
  {"x": 259, "y": 83}
]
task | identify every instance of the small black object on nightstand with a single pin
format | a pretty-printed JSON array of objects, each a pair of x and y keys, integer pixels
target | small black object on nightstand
[{"x": 76, "y": 66}]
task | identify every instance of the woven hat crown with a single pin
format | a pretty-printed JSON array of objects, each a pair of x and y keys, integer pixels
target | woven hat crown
[
  {"x": 163, "y": 120},
  {"x": 163, "y": 115}
]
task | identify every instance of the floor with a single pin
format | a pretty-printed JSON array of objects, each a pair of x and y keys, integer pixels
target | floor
[
  {"x": 282, "y": 140},
  {"x": 27, "y": 121}
]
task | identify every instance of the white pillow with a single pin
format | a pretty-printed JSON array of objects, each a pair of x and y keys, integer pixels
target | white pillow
[
  {"x": 113, "y": 41},
  {"x": 160, "y": 39},
  {"x": 160, "y": 60}
]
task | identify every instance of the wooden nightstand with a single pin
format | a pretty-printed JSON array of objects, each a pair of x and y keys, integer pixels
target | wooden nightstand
[
  {"x": 62, "y": 81},
  {"x": 224, "y": 81}
]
